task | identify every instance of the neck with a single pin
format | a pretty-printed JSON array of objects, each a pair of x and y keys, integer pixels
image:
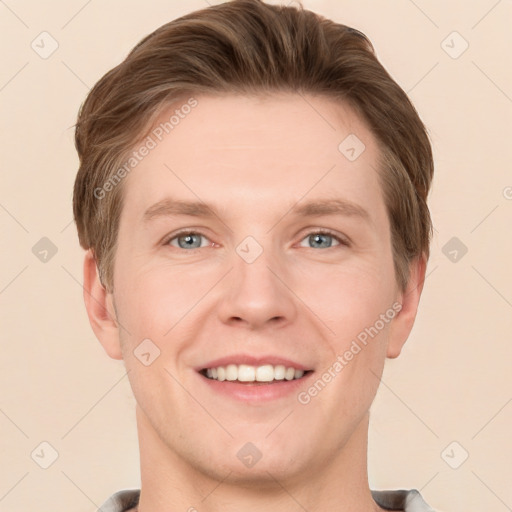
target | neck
[{"x": 168, "y": 482}]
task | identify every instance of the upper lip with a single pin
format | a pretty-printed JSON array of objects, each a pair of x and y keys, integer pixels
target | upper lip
[{"x": 253, "y": 361}]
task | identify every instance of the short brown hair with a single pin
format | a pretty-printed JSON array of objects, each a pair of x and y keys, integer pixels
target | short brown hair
[{"x": 249, "y": 47}]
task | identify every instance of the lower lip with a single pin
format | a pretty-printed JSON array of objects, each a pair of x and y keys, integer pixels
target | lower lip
[{"x": 257, "y": 392}]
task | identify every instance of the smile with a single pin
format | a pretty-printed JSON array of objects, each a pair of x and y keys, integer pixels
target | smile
[{"x": 266, "y": 373}]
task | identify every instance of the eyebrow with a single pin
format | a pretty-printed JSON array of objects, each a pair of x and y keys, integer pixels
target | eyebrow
[{"x": 173, "y": 207}]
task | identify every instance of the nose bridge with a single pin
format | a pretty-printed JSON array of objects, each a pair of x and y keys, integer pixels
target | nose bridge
[{"x": 256, "y": 293}]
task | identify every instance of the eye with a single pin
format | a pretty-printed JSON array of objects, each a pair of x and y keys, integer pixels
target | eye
[
  {"x": 193, "y": 240},
  {"x": 187, "y": 240},
  {"x": 324, "y": 239}
]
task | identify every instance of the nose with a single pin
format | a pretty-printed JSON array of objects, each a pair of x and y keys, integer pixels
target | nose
[{"x": 256, "y": 294}]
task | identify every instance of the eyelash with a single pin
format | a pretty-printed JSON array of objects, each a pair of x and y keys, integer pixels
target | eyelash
[{"x": 342, "y": 241}]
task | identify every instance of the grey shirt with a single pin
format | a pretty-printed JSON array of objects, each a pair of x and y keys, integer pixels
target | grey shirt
[{"x": 406, "y": 501}]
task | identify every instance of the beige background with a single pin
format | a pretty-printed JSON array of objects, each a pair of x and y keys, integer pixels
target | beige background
[{"x": 453, "y": 380}]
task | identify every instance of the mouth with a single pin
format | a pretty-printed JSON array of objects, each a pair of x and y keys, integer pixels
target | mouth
[{"x": 254, "y": 375}]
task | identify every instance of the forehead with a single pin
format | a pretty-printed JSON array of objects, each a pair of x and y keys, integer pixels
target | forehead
[{"x": 272, "y": 150}]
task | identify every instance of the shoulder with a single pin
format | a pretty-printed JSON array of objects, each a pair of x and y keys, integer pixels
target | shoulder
[
  {"x": 121, "y": 501},
  {"x": 405, "y": 500}
]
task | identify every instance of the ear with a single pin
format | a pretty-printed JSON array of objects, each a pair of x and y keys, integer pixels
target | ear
[
  {"x": 401, "y": 325},
  {"x": 100, "y": 309}
]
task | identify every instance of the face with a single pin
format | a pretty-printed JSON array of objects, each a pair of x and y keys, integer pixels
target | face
[{"x": 283, "y": 260}]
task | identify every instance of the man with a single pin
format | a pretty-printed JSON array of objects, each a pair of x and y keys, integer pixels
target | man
[{"x": 252, "y": 197}]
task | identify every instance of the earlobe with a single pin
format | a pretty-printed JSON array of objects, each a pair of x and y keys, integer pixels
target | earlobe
[
  {"x": 100, "y": 309},
  {"x": 402, "y": 324}
]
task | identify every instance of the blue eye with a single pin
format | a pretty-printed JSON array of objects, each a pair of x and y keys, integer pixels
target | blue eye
[
  {"x": 192, "y": 240},
  {"x": 188, "y": 240},
  {"x": 323, "y": 240}
]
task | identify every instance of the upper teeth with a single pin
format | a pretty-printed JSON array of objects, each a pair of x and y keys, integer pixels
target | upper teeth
[{"x": 247, "y": 373}]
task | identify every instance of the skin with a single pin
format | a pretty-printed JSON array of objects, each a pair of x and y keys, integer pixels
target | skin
[{"x": 253, "y": 159}]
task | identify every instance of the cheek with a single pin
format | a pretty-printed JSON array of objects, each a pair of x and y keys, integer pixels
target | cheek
[
  {"x": 356, "y": 305},
  {"x": 164, "y": 304},
  {"x": 349, "y": 298},
  {"x": 156, "y": 298}
]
